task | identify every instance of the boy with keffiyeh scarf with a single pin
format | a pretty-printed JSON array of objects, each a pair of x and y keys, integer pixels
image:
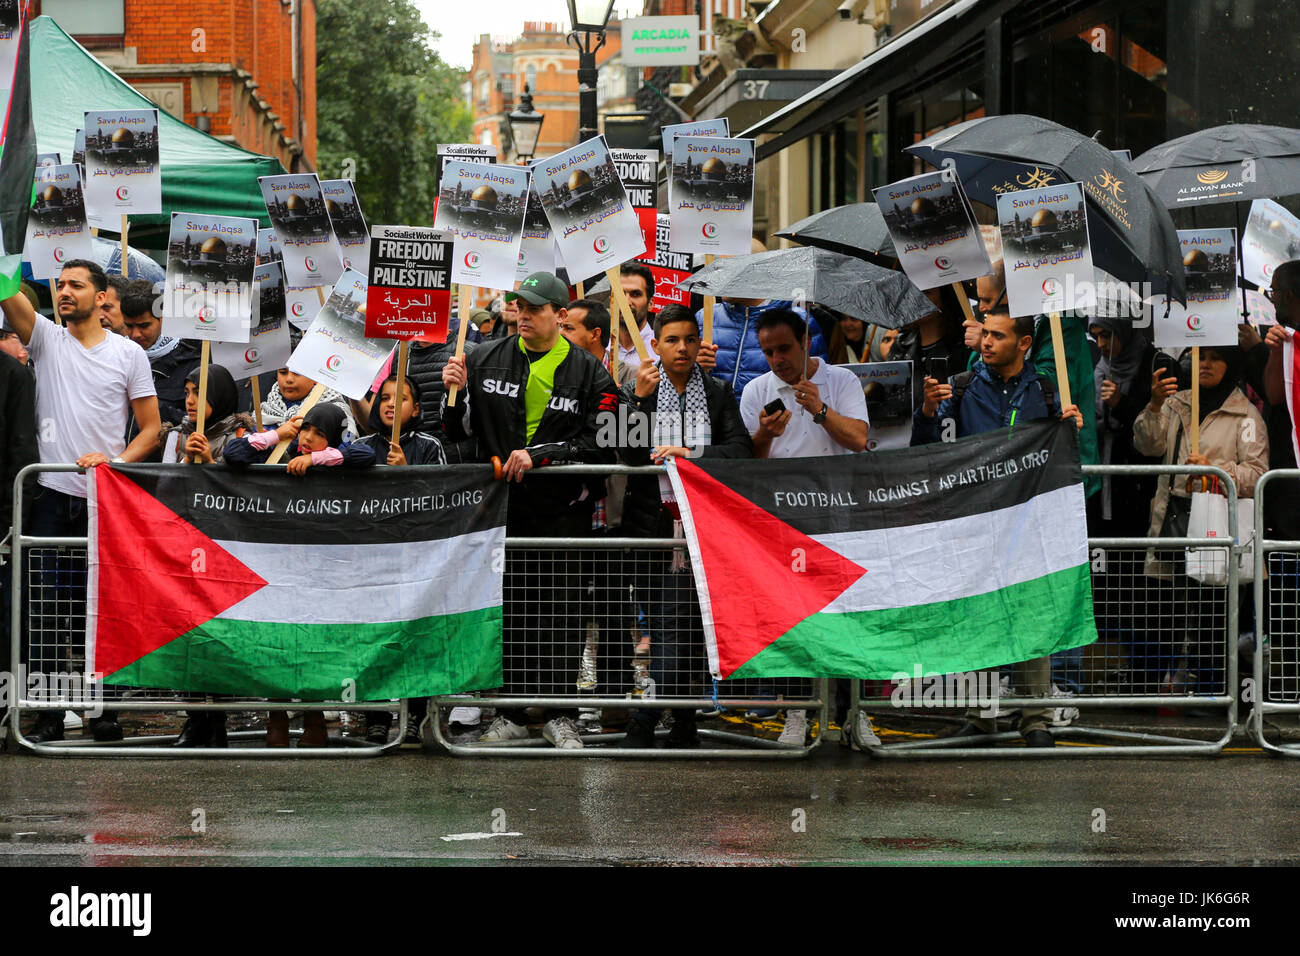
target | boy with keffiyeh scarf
[{"x": 691, "y": 415}]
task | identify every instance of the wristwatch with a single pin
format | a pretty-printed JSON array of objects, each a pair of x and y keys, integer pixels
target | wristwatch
[{"x": 820, "y": 417}]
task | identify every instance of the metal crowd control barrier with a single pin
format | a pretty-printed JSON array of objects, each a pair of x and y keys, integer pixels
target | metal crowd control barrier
[
  {"x": 600, "y": 624},
  {"x": 55, "y": 598},
  {"x": 1276, "y": 657},
  {"x": 1162, "y": 643}
]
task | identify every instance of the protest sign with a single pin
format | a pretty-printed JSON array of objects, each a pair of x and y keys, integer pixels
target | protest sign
[
  {"x": 461, "y": 152},
  {"x": 1272, "y": 237},
  {"x": 301, "y": 302},
  {"x": 888, "y": 390},
  {"x": 410, "y": 284},
  {"x": 46, "y": 160},
  {"x": 267, "y": 348},
  {"x": 349, "y": 224},
  {"x": 482, "y": 205},
  {"x": 667, "y": 267},
  {"x": 56, "y": 227},
  {"x": 1045, "y": 250},
  {"x": 537, "y": 252},
  {"x": 79, "y": 148},
  {"x": 210, "y": 263},
  {"x": 716, "y": 127},
  {"x": 934, "y": 230},
  {"x": 123, "y": 170},
  {"x": 639, "y": 170},
  {"x": 308, "y": 246},
  {"x": 334, "y": 350},
  {"x": 588, "y": 208},
  {"x": 711, "y": 195},
  {"x": 1213, "y": 307}
]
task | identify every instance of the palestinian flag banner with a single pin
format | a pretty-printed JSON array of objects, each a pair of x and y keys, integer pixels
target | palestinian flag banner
[
  {"x": 1291, "y": 381},
  {"x": 259, "y": 584},
  {"x": 17, "y": 144},
  {"x": 947, "y": 557}
]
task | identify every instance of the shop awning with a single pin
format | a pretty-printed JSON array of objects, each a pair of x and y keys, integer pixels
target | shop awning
[
  {"x": 870, "y": 77},
  {"x": 747, "y": 96}
]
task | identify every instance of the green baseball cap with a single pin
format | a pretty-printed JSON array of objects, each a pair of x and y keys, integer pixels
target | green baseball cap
[{"x": 540, "y": 288}]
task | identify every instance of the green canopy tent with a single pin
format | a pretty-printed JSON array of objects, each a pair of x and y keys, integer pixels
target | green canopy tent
[{"x": 200, "y": 173}]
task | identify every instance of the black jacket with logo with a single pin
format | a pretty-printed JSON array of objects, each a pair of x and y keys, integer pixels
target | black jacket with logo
[{"x": 491, "y": 411}]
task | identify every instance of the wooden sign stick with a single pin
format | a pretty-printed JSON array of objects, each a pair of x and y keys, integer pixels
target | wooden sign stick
[
  {"x": 399, "y": 395},
  {"x": 462, "y": 301},
  {"x": 320, "y": 295},
  {"x": 707, "y": 326},
  {"x": 125, "y": 226},
  {"x": 257, "y": 402},
  {"x": 582, "y": 292},
  {"x": 960, "y": 291},
  {"x": 1196, "y": 400},
  {"x": 307, "y": 403},
  {"x": 1058, "y": 352},
  {"x": 625, "y": 310},
  {"x": 54, "y": 300},
  {"x": 205, "y": 356}
]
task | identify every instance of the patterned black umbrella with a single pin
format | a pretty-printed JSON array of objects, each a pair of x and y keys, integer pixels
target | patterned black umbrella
[
  {"x": 1234, "y": 163},
  {"x": 846, "y": 284},
  {"x": 1132, "y": 236}
]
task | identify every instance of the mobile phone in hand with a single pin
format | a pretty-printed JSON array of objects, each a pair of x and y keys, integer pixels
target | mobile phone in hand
[
  {"x": 774, "y": 407},
  {"x": 937, "y": 368}
]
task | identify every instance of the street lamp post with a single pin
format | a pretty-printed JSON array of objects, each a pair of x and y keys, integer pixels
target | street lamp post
[
  {"x": 589, "y": 19},
  {"x": 525, "y": 125}
]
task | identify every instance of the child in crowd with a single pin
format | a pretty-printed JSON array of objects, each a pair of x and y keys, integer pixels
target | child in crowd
[
  {"x": 286, "y": 397},
  {"x": 416, "y": 447},
  {"x": 221, "y": 422}
]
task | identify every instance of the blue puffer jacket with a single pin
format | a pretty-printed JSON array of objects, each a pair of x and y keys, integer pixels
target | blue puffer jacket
[{"x": 740, "y": 360}]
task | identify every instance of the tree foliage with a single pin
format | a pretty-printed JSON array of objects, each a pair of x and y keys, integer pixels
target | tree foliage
[{"x": 385, "y": 100}]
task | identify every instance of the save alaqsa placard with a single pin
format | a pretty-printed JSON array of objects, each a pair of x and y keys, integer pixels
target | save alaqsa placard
[
  {"x": 711, "y": 195},
  {"x": 537, "y": 245},
  {"x": 587, "y": 206},
  {"x": 715, "y": 127},
  {"x": 123, "y": 164},
  {"x": 934, "y": 230},
  {"x": 1045, "y": 250},
  {"x": 308, "y": 246},
  {"x": 1272, "y": 237},
  {"x": 349, "y": 224},
  {"x": 268, "y": 345},
  {"x": 210, "y": 265},
  {"x": 483, "y": 205},
  {"x": 410, "y": 284},
  {"x": 1213, "y": 307},
  {"x": 56, "y": 225},
  {"x": 334, "y": 349}
]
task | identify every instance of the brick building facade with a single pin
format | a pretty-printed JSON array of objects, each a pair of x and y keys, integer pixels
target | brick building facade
[{"x": 242, "y": 70}]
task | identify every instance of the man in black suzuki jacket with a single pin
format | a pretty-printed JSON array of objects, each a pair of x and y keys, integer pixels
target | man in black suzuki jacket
[{"x": 532, "y": 400}]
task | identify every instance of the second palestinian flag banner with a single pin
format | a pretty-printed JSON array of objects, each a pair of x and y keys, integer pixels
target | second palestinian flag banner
[
  {"x": 948, "y": 557},
  {"x": 1291, "y": 381},
  {"x": 259, "y": 584}
]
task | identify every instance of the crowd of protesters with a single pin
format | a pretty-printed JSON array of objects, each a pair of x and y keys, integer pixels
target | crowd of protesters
[{"x": 106, "y": 384}]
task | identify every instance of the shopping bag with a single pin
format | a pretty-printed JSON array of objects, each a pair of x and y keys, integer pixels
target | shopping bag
[
  {"x": 1209, "y": 519},
  {"x": 1245, "y": 535}
]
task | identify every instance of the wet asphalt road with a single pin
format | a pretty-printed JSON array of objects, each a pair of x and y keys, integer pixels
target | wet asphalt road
[{"x": 835, "y": 807}]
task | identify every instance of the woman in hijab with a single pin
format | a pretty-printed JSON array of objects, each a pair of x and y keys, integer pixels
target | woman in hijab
[
  {"x": 1187, "y": 648},
  {"x": 1122, "y": 378},
  {"x": 222, "y": 420}
]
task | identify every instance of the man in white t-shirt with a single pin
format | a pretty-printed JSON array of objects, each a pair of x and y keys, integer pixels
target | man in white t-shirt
[
  {"x": 88, "y": 383},
  {"x": 824, "y": 412}
]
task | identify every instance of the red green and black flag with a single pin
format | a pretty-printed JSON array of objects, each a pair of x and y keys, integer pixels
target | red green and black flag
[
  {"x": 947, "y": 557},
  {"x": 257, "y": 584},
  {"x": 17, "y": 144}
]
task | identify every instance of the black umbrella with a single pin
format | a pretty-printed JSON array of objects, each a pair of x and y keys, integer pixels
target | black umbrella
[
  {"x": 1234, "y": 163},
  {"x": 846, "y": 284},
  {"x": 1131, "y": 234},
  {"x": 854, "y": 230}
]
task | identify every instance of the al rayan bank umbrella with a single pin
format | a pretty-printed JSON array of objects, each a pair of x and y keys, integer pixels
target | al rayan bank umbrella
[
  {"x": 853, "y": 286},
  {"x": 1131, "y": 234},
  {"x": 857, "y": 229}
]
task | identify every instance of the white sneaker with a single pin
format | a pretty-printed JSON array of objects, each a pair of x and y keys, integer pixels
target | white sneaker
[
  {"x": 503, "y": 730},
  {"x": 864, "y": 735},
  {"x": 796, "y": 728},
  {"x": 466, "y": 716},
  {"x": 1062, "y": 716},
  {"x": 563, "y": 733}
]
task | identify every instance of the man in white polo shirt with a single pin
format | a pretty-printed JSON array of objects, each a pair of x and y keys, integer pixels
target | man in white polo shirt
[
  {"x": 823, "y": 411},
  {"x": 88, "y": 382}
]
